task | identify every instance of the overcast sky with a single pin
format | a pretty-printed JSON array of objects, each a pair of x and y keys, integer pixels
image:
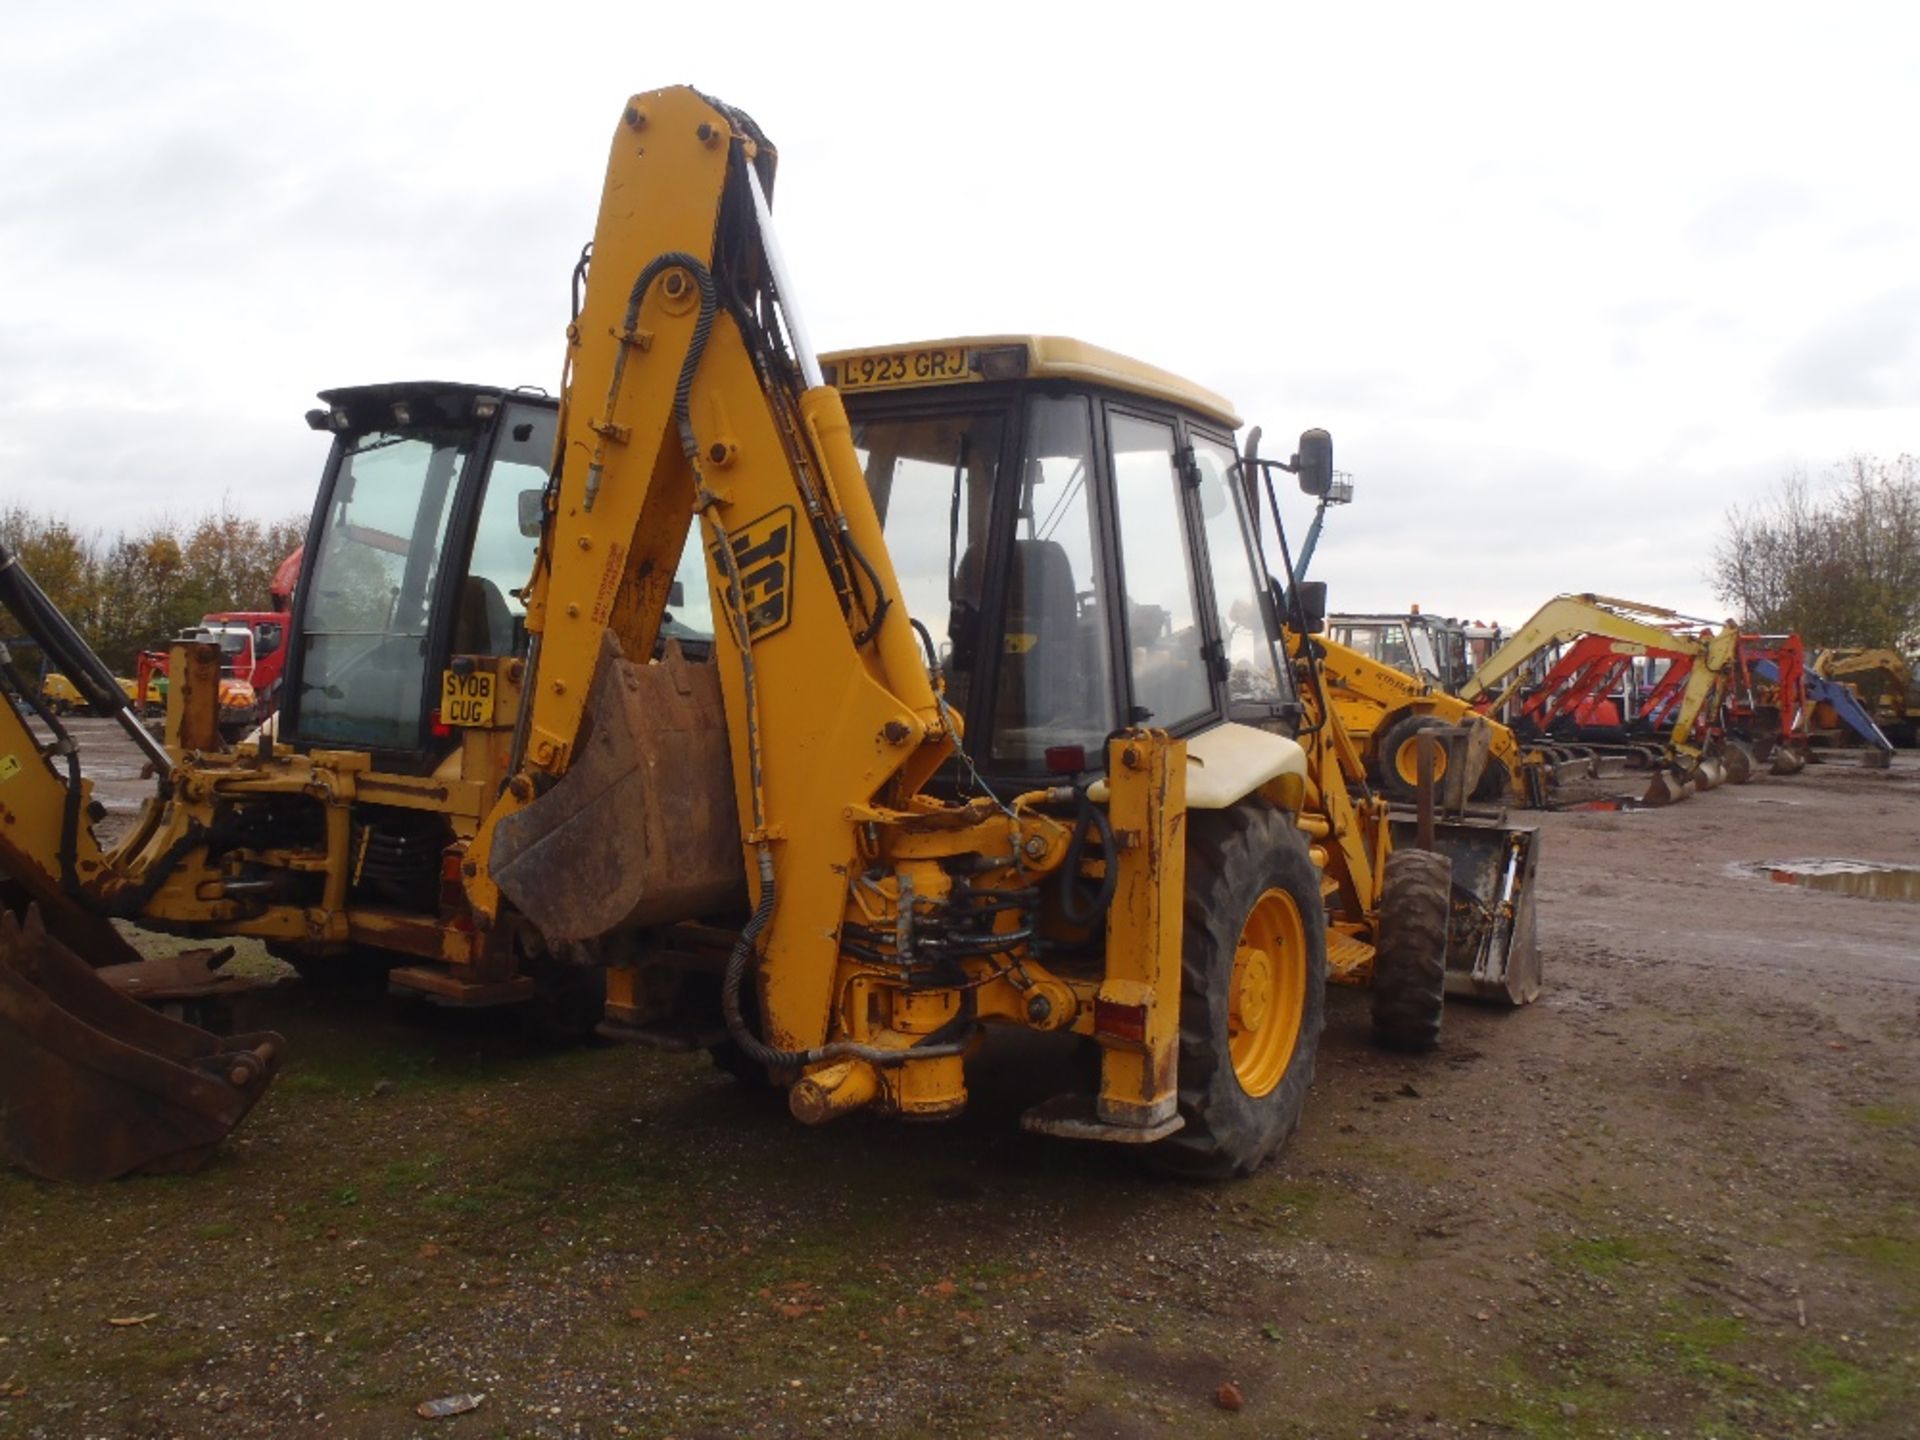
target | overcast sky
[{"x": 1564, "y": 282}]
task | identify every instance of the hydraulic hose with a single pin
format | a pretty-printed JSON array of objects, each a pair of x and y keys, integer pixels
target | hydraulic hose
[
  {"x": 744, "y": 960},
  {"x": 1070, "y": 911}
]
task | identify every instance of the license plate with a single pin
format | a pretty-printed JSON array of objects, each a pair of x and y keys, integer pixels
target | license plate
[
  {"x": 466, "y": 699},
  {"x": 940, "y": 365}
]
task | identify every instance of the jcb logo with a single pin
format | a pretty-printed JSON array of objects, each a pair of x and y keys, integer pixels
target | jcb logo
[{"x": 763, "y": 554}]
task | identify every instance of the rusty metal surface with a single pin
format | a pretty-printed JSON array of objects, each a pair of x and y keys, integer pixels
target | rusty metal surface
[
  {"x": 448, "y": 988},
  {"x": 94, "y": 1086},
  {"x": 642, "y": 829},
  {"x": 190, "y": 975},
  {"x": 1493, "y": 948}
]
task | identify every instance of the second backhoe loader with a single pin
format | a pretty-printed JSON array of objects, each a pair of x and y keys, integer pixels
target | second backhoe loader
[{"x": 1005, "y": 718}]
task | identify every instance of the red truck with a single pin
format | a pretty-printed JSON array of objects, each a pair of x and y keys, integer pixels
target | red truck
[{"x": 253, "y": 655}]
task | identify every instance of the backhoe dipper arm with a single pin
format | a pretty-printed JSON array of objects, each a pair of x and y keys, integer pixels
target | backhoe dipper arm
[{"x": 687, "y": 393}]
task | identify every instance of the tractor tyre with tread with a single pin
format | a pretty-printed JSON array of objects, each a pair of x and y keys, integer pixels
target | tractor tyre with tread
[
  {"x": 1252, "y": 995},
  {"x": 1400, "y": 758},
  {"x": 1410, "y": 958}
]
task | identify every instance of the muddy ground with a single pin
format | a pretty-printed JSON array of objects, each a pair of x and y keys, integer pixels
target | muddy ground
[{"x": 1680, "y": 1196}]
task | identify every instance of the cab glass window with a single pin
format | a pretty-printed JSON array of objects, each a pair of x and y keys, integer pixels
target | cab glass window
[
  {"x": 492, "y": 619},
  {"x": 1055, "y": 683},
  {"x": 932, "y": 479},
  {"x": 1252, "y": 674},
  {"x": 369, "y": 602},
  {"x": 689, "y": 604},
  {"x": 1166, "y": 656}
]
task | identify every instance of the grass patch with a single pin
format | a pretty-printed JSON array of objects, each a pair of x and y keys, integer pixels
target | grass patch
[
  {"x": 1851, "y": 1393},
  {"x": 1897, "y": 1253},
  {"x": 1603, "y": 1255},
  {"x": 1889, "y": 1117}
]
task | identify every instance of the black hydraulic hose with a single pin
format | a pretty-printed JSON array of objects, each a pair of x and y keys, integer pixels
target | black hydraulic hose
[
  {"x": 926, "y": 643},
  {"x": 580, "y": 267},
  {"x": 1096, "y": 817},
  {"x": 744, "y": 960},
  {"x": 696, "y": 348}
]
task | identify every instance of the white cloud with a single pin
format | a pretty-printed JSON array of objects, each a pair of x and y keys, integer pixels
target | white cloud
[{"x": 1565, "y": 283}]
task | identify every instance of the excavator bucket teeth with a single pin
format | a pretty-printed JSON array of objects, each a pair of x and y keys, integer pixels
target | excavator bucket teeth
[{"x": 94, "y": 1086}]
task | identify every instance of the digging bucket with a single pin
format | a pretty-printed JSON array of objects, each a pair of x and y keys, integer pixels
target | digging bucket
[{"x": 94, "y": 1086}]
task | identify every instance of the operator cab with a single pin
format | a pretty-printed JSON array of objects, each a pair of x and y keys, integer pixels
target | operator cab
[
  {"x": 418, "y": 551},
  {"x": 1070, "y": 528}
]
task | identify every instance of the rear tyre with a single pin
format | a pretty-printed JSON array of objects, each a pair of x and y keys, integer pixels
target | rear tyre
[
  {"x": 1253, "y": 990},
  {"x": 1399, "y": 763},
  {"x": 1410, "y": 958}
]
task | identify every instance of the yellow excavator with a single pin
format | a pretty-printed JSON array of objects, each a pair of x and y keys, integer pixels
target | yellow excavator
[
  {"x": 1693, "y": 756},
  {"x": 973, "y": 700}
]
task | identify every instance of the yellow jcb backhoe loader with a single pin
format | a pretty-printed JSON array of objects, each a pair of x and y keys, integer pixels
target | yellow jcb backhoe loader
[
  {"x": 1153, "y": 834},
  {"x": 1693, "y": 757},
  {"x": 1386, "y": 710}
]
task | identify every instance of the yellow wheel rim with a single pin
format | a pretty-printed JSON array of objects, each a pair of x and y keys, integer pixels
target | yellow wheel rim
[
  {"x": 1407, "y": 760},
  {"x": 1267, "y": 997}
]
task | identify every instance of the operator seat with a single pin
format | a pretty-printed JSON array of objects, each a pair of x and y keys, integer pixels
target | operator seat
[{"x": 1040, "y": 646}]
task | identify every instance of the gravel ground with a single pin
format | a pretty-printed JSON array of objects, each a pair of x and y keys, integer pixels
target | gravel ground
[{"x": 1680, "y": 1196}]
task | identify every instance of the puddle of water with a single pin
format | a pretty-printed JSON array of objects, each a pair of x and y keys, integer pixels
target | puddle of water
[
  {"x": 1866, "y": 878},
  {"x": 1610, "y": 805}
]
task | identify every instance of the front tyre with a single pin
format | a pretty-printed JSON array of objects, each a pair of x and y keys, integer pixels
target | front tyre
[
  {"x": 1253, "y": 990},
  {"x": 1410, "y": 956}
]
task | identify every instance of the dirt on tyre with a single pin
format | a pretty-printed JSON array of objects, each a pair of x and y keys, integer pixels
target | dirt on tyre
[
  {"x": 1410, "y": 956},
  {"x": 1252, "y": 994}
]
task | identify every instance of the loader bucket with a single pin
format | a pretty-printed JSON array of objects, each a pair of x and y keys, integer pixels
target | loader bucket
[
  {"x": 1493, "y": 950},
  {"x": 94, "y": 1086}
]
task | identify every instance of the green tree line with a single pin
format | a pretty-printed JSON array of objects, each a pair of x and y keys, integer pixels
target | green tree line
[
  {"x": 135, "y": 590},
  {"x": 1837, "y": 561}
]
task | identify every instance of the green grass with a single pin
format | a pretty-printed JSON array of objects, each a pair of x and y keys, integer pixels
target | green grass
[
  {"x": 1603, "y": 1255},
  {"x": 1889, "y": 1117}
]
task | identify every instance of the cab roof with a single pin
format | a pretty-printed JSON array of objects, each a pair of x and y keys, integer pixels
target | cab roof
[{"x": 971, "y": 359}]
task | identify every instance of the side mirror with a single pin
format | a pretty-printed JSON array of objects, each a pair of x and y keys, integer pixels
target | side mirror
[
  {"x": 676, "y": 595},
  {"x": 1311, "y": 596},
  {"x": 1313, "y": 463},
  {"x": 533, "y": 509}
]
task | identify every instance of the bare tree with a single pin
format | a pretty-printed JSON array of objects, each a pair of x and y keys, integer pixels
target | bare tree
[{"x": 1841, "y": 567}]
